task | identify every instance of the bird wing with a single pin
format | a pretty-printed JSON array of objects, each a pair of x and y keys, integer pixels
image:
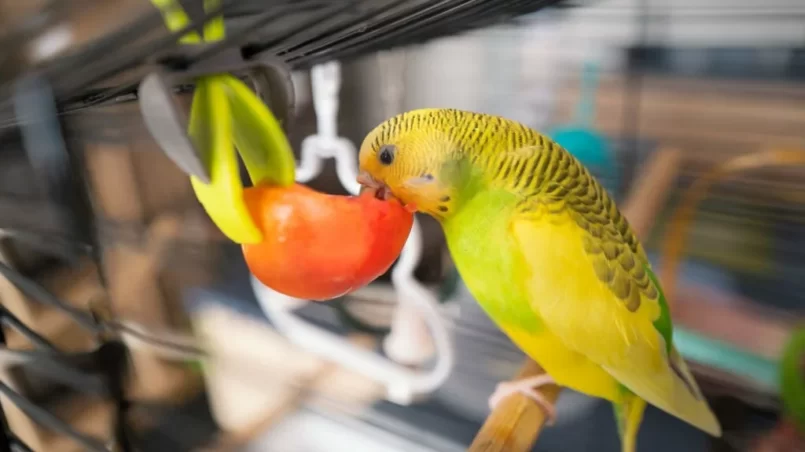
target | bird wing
[{"x": 593, "y": 286}]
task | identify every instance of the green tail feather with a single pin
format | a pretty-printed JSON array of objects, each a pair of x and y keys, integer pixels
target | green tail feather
[{"x": 628, "y": 415}]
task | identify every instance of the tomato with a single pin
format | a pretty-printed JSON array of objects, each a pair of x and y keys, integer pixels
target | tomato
[{"x": 319, "y": 246}]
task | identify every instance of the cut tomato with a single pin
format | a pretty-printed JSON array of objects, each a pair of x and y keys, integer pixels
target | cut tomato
[{"x": 319, "y": 246}]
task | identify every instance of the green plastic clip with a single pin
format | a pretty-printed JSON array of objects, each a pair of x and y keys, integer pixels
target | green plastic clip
[{"x": 226, "y": 115}]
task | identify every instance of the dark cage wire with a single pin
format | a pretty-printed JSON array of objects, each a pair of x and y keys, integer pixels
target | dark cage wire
[{"x": 46, "y": 119}]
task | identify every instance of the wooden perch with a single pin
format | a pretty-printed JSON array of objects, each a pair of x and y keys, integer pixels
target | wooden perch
[{"x": 516, "y": 422}]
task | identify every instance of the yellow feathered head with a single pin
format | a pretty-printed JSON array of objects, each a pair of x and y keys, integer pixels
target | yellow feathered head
[{"x": 406, "y": 157}]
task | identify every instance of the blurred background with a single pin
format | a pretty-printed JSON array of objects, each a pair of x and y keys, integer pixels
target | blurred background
[{"x": 691, "y": 113}]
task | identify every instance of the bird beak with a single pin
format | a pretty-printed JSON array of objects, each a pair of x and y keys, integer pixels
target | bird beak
[
  {"x": 381, "y": 190},
  {"x": 368, "y": 182}
]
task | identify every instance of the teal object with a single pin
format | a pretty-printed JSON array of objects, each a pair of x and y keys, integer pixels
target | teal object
[
  {"x": 580, "y": 139},
  {"x": 720, "y": 355}
]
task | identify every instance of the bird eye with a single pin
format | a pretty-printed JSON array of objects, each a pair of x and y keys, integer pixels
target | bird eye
[{"x": 386, "y": 154}]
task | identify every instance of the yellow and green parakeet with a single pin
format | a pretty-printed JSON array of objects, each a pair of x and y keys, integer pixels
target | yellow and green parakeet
[{"x": 546, "y": 253}]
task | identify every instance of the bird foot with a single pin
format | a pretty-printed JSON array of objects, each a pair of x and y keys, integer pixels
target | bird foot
[{"x": 526, "y": 387}]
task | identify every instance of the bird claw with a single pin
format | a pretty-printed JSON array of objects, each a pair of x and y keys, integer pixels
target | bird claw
[{"x": 526, "y": 387}]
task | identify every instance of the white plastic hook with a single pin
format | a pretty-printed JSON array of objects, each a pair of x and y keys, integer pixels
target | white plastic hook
[
  {"x": 409, "y": 342},
  {"x": 403, "y": 384}
]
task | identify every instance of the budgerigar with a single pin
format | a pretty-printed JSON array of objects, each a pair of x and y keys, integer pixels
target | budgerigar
[{"x": 547, "y": 254}]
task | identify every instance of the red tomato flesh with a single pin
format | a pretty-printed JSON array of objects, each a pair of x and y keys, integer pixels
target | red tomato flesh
[{"x": 319, "y": 246}]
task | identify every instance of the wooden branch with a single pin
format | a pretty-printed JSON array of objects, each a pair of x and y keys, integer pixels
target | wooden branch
[
  {"x": 516, "y": 422},
  {"x": 651, "y": 190}
]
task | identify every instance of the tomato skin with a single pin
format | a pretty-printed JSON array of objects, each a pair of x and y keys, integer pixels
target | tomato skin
[{"x": 319, "y": 246}]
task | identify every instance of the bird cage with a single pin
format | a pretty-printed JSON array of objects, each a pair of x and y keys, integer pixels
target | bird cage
[
  {"x": 100, "y": 229},
  {"x": 101, "y": 234}
]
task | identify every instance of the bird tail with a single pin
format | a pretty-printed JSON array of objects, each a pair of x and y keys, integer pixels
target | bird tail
[
  {"x": 629, "y": 414},
  {"x": 694, "y": 410}
]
